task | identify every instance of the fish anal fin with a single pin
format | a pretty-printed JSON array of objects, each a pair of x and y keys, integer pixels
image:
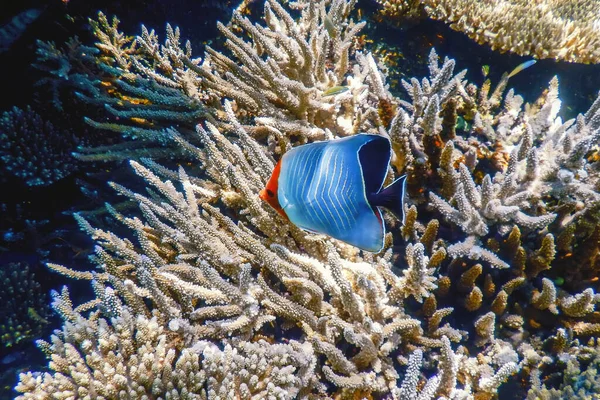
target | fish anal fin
[{"x": 391, "y": 198}]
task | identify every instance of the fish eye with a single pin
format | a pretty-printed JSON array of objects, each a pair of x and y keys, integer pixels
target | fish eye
[{"x": 270, "y": 193}]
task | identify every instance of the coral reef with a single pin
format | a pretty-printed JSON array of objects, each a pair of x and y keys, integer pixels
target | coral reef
[
  {"x": 559, "y": 29},
  {"x": 400, "y": 12},
  {"x": 579, "y": 370},
  {"x": 147, "y": 361},
  {"x": 213, "y": 294},
  {"x": 12, "y": 30},
  {"x": 23, "y": 309},
  {"x": 33, "y": 150},
  {"x": 146, "y": 86}
]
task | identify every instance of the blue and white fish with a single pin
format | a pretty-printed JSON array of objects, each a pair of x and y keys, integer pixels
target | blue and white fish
[{"x": 335, "y": 187}]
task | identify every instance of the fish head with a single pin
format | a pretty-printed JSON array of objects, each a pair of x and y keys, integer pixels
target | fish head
[{"x": 269, "y": 193}]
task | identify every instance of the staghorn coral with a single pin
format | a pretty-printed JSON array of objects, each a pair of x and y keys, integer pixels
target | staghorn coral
[
  {"x": 418, "y": 279},
  {"x": 400, "y": 12},
  {"x": 191, "y": 297},
  {"x": 33, "y": 150},
  {"x": 109, "y": 78},
  {"x": 408, "y": 389},
  {"x": 560, "y": 29},
  {"x": 579, "y": 361},
  {"x": 134, "y": 356},
  {"x": 206, "y": 261},
  {"x": 530, "y": 171},
  {"x": 286, "y": 68},
  {"x": 204, "y": 276},
  {"x": 23, "y": 309}
]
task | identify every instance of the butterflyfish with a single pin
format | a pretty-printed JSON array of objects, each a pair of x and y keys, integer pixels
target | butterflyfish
[{"x": 335, "y": 187}]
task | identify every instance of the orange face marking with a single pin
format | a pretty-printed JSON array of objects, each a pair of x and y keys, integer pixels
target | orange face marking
[{"x": 269, "y": 193}]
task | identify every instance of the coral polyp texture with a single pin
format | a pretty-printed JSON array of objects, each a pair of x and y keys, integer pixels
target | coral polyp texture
[
  {"x": 213, "y": 295},
  {"x": 24, "y": 310},
  {"x": 33, "y": 149},
  {"x": 561, "y": 29}
]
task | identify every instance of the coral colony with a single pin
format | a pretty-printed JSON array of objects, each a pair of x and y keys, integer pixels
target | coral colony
[
  {"x": 558, "y": 29},
  {"x": 490, "y": 280},
  {"x": 32, "y": 149}
]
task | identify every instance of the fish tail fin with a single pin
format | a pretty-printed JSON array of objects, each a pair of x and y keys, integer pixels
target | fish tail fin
[{"x": 392, "y": 197}]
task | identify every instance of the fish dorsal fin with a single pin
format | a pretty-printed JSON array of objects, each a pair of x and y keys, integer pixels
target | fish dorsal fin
[{"x": 374, "y": 157}]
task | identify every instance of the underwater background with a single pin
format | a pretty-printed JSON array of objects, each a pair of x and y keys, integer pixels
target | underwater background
[{"x": 43, "y": 123}]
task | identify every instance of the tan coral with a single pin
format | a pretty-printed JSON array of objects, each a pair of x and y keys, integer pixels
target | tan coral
[
  {"x": 485, "y": 327},
  {"x": 580, "y": 304},
  {"x": 418, "y": 279},
  {"x": 560, "y": 29},
  {"x": 400, "y": 12},
  {"x": 474, "y": 299},
  {"x": 546, "y": 299}
]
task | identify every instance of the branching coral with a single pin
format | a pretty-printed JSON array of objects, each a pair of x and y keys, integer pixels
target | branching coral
[
  {"x": 516, "y": 171},
  {"x": 564, "y": 30},
  {"x": 560, "y": 29},
  {"x": 280, "y": 76},
  {"x": 232, "y": 291},
  {"x": 580, "y": 365},
  {"x": 400, "y": 12},
  {"x": 191, "y": 296},
  {"x": 24, "y": 310},
  {"x": 135, "y": 356},
  {"x": 32, "y": 149}
]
